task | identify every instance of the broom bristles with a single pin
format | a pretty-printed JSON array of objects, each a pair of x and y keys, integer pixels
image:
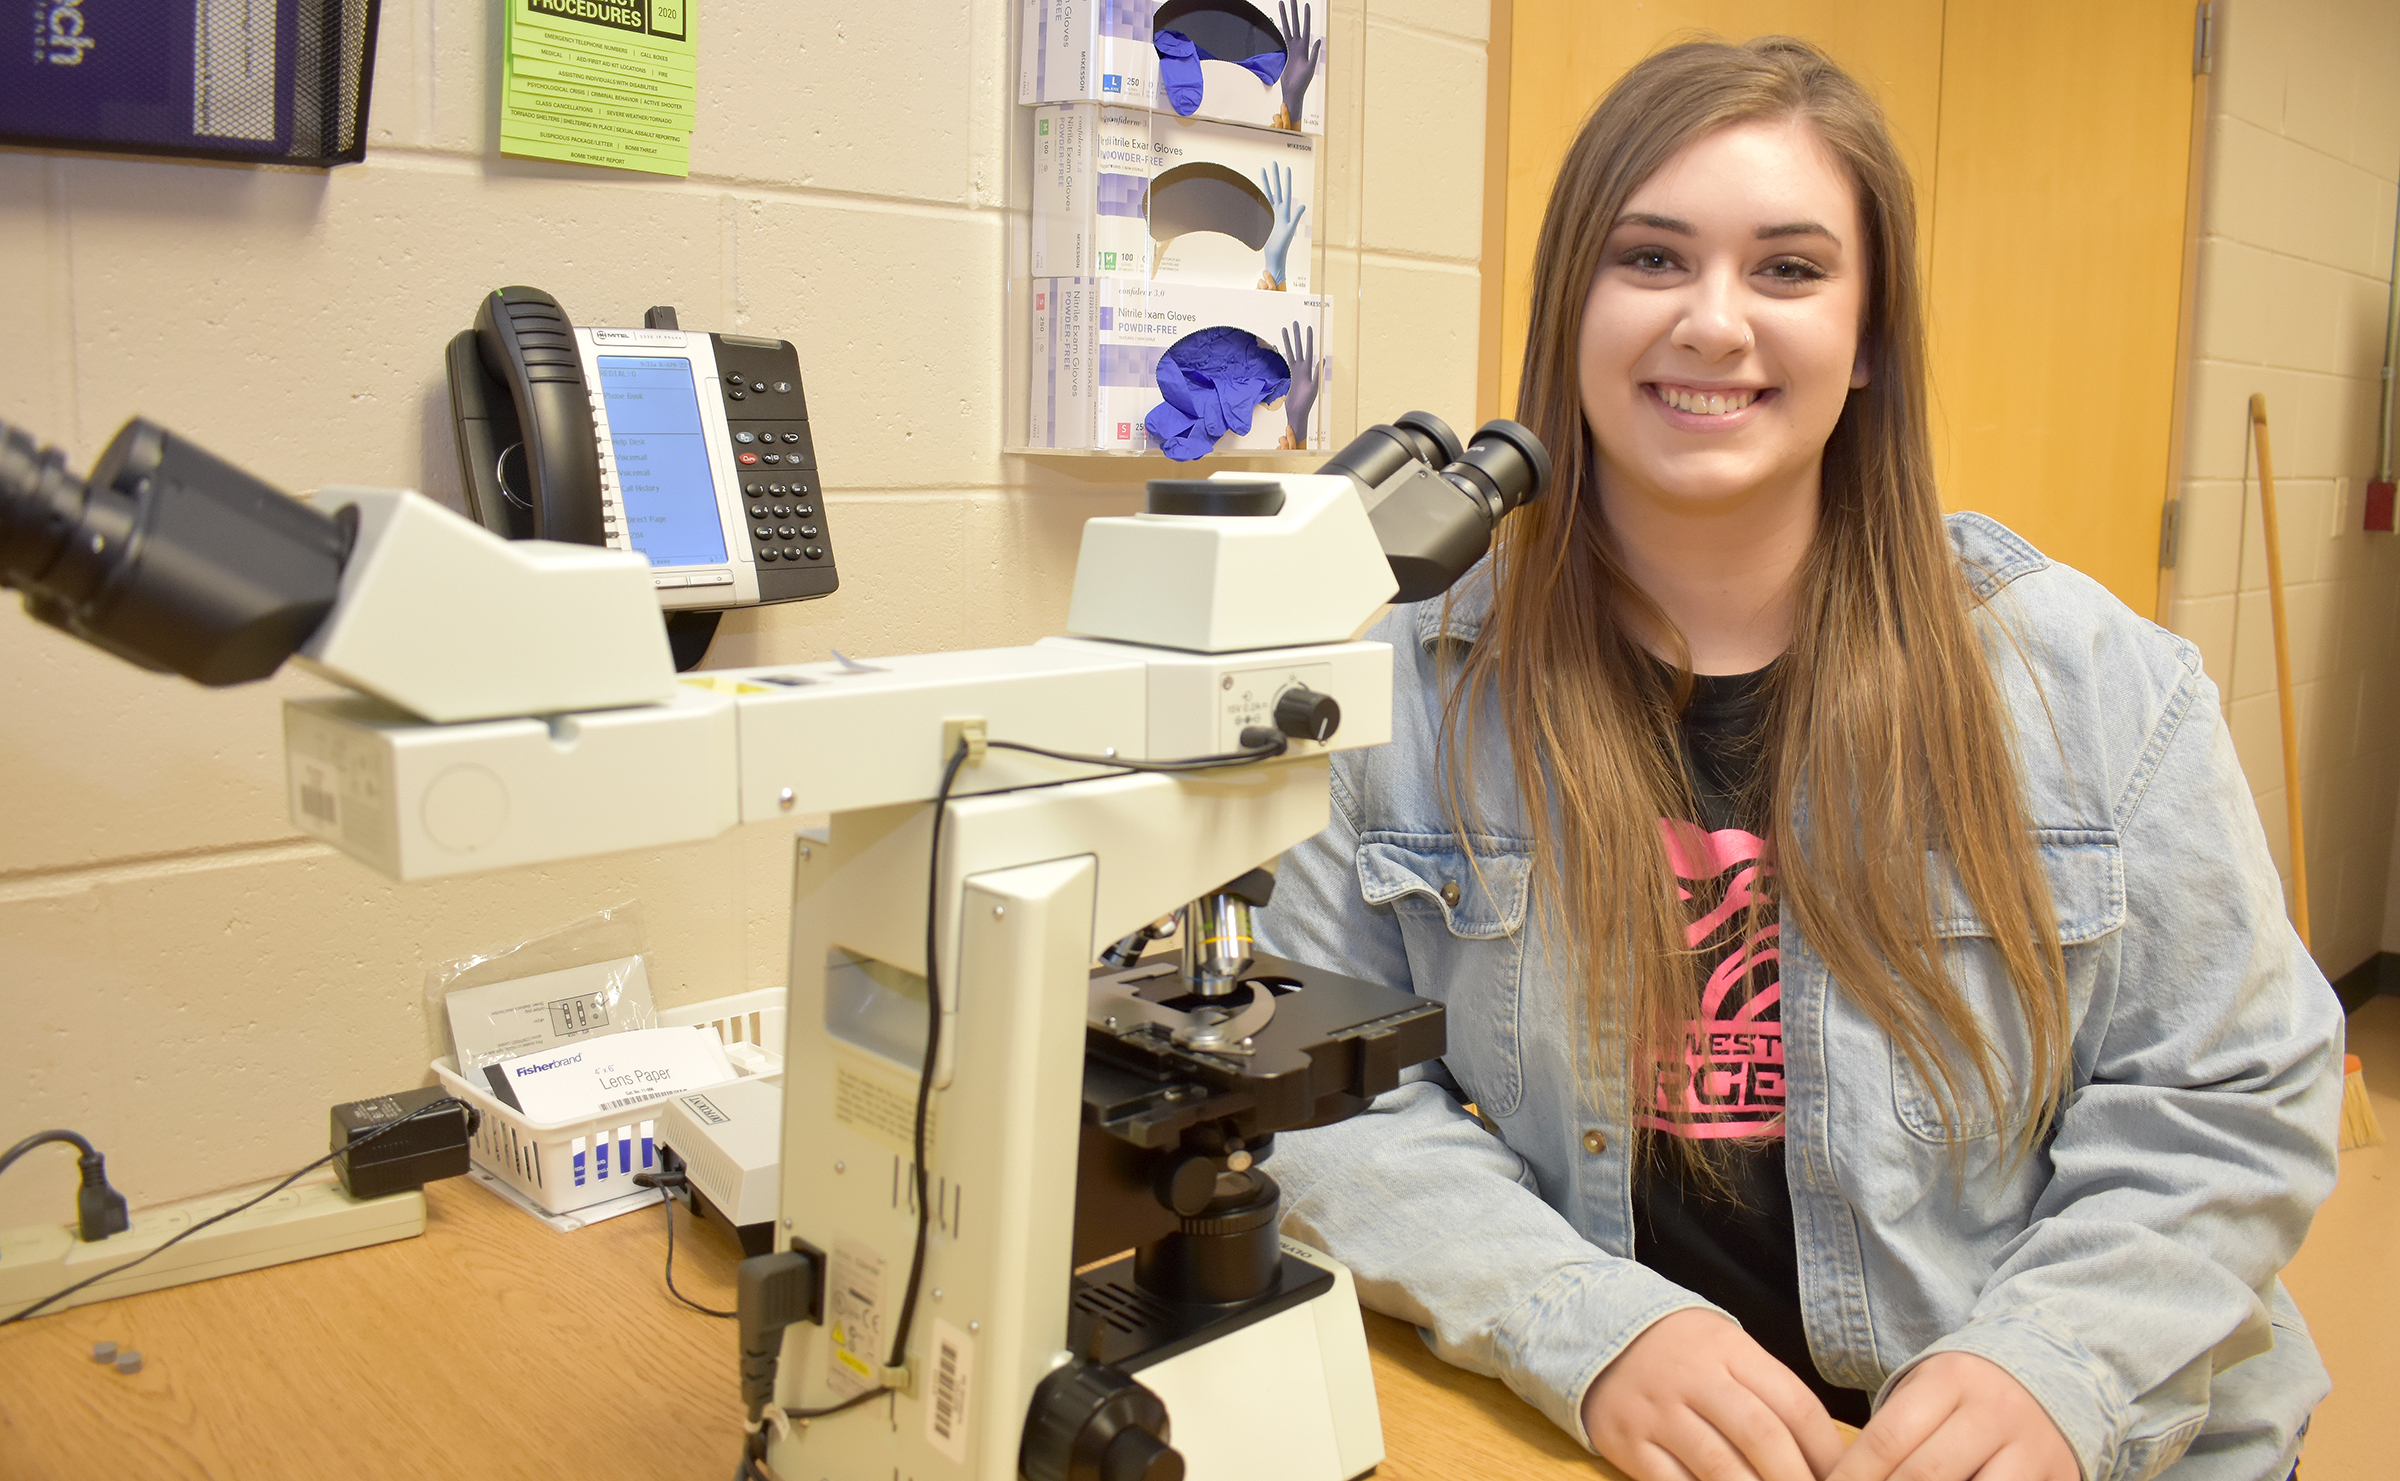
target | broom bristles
[{"x": 2359, "y": 1127}]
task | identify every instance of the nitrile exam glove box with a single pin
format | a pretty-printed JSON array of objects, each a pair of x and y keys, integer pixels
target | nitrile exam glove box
[
  {"x": 1223, "y": 60},
  {"x": 1150, "y": 195},
  {"x": 1098, "y": 344}
]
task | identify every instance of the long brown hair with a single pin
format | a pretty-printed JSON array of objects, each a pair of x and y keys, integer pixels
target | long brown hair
[{"x": 1890, "y": 749}]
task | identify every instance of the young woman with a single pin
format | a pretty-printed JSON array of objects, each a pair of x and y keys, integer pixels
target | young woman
[{"x": 1851, "y": 924}]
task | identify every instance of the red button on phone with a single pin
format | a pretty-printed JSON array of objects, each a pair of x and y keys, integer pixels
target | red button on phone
[{"x": 746, "y": 459}]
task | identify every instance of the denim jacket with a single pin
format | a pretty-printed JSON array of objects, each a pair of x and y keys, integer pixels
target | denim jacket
[{"x": 2125, "y": 1273}]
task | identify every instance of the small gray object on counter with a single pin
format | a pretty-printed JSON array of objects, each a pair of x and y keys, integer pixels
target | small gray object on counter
[
  {"x": 129, "y": 1362},
  {"x": 104, "y": 1352}
]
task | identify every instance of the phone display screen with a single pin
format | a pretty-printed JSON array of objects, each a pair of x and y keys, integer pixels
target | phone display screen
[{"x": 662, "y": 459}]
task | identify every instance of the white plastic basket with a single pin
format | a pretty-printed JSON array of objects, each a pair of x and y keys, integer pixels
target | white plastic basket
[{"x": 566, "y": 1165}]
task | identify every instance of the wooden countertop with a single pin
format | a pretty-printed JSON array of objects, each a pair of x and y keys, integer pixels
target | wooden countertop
[{"x": 495, "y": 1347}]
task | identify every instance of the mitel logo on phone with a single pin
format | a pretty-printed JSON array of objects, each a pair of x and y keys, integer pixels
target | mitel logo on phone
[
  {"x": 58, "y": 31},
  {"x": 663, "y": 337},
  {"x": 1111, "y": 82}
]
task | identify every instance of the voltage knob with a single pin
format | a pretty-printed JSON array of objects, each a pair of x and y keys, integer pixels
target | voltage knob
[{"x": 1304, "y": 714}]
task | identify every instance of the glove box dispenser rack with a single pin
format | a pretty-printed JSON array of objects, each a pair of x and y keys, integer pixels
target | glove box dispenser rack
[{"x": 1183, "y": 259}]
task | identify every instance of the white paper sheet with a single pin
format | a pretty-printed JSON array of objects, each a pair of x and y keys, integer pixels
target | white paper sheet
[{"x": 528, "y": 1015}]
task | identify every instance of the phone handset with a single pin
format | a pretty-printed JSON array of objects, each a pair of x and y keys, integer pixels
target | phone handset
[{"x": 526, "y": 343}]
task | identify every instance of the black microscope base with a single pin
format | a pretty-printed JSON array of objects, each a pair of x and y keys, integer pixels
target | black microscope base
[{"x": 1112, "y": 1320}]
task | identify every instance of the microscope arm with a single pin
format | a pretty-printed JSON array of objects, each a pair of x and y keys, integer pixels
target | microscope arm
[
  {"x": 516, "y": 702},
  {"x": 1192, "y": 628}
]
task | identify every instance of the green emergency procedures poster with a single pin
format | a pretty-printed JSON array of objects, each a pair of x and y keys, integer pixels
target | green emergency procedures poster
[{"x": 600, "y": 82}]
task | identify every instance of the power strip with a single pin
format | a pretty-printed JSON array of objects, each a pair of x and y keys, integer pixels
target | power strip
[{"x": 304, "y": 1220}]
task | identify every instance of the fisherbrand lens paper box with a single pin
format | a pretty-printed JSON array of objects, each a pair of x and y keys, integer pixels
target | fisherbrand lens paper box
[
  {"x": 1120, "y": 190},
  {"x": 610, "y": 1073},
  {"x": 1229, "y": 61},
  {"x": 1098, "y": 344}
]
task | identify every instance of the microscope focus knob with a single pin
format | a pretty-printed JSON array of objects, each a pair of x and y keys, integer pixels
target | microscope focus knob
[
  {"x": 1304, "y": 714},
  {"x": 1187, "y": 1184},
  {"x": 1138, "y": 1455},
  {"x": 1092, "y": 1422}
]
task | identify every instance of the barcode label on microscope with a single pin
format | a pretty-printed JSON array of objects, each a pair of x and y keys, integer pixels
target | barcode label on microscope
[
  {"x": 321, "y": 805},
  {"x": 946, "y": 1415},
  {"x": 339, "y": 785}
]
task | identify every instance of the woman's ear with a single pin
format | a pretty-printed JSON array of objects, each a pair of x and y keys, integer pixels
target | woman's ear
[{"x": 1862, "y": 365}]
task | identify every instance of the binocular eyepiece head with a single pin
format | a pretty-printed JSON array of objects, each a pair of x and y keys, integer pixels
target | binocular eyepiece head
[
  {"x": 1435, "y": 503},
  {"x": 168, "y": 556}
]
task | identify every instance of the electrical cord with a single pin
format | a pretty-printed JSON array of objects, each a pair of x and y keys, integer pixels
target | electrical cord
[
  {"x": 99, "y": 1209},
  {"x": 666, "y": 1183},
  {"x": 1262, "y": 744},
  {"x": 41, "y": 1138},
  {"x": 754, "y": 1466},
  {"x": 1271, "y": 745},
  {"x": 933, "y": 1049},
  {"x": 446, "y": 1103}
]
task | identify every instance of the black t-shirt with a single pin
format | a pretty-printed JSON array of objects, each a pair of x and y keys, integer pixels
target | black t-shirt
[{"x": 1735, "y": 1247}]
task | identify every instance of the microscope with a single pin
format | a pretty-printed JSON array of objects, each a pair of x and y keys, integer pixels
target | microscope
[{"x": 1035, "y": 1067}]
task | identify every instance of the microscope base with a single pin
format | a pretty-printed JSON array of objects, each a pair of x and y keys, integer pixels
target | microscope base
[{"x": 1289, "y": 1395}]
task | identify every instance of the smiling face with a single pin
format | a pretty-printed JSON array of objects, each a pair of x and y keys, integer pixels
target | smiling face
[{"x": 1721, "y": 337}]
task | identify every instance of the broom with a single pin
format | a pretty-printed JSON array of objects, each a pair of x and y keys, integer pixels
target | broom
[
  {"x": 2359, "y": 1128},
  {"x": 2273, "y": 529},
  {"x": 2358, "y": 1113}
]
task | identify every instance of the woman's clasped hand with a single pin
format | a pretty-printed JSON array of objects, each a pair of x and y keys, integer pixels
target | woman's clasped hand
[{"x": 1694, "y": 1398}]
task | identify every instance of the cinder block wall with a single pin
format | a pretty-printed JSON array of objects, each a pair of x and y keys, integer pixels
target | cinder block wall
[
  {"x": 185, "y": 980},
  {"x": 2304, "y": 152}
]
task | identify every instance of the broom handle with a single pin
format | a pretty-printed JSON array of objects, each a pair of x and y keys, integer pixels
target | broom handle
[{"x": 2283, "y": 667}]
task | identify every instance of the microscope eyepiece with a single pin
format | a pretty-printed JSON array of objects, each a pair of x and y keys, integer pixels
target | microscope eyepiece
[
  {"x": 1431, "y": 438},
  {"x": 39, "y": 500},
  {"x": 1434, "y": 503},
  {"x": 168, "y": 556},
  {"x": 1505, "y": 463}
]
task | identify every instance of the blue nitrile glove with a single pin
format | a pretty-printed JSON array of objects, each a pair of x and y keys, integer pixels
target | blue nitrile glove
[
  {"x": 1179, "y": 71},
  {"x": 1277, "y": 180},
  {"x": 1212, "y": 381},
  {"x": 1179, "y": 59},
  {"x": 1301, "y": 354},
  {"x": 1300, "y": 65},
  {"x": 1267, "y": 66}
]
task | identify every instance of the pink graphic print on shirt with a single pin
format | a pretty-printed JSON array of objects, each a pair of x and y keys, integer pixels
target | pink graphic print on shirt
[{"x": 1729, "y": 1080}]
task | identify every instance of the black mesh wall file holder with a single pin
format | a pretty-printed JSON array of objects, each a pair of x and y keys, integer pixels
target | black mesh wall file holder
[{"x": 266, "y": 81}]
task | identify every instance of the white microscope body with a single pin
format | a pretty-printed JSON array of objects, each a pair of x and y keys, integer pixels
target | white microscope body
[
  {"x": 1023, "y": 1228},
  {"x": 1188, "y": 631}
]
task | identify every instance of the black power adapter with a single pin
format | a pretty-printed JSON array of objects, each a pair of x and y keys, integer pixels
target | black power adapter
[{"x": 406, "y": 1156}]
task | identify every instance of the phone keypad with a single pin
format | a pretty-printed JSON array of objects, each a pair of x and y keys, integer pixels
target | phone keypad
[{"x": 776, "y": 461}]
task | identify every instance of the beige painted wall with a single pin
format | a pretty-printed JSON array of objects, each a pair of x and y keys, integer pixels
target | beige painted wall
[
  {"x": 2304, "y": 151},
  {"x": 182, "y": 978}
]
